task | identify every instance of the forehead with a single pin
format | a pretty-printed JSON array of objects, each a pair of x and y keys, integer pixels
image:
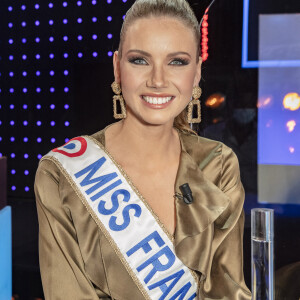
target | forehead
[{"x": 159, "y": 33}]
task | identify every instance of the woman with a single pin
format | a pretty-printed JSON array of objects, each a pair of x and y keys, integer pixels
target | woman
[{"x": 110, "y": 226}]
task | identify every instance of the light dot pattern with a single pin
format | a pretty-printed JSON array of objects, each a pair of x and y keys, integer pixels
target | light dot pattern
[{"x": 37, "y": 75}]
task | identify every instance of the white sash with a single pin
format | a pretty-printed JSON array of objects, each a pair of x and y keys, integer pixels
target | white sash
[{"x": 134, "y": 231}]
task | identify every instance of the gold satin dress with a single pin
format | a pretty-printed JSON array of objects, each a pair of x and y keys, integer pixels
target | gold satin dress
[{"x": 78, "y": 263}]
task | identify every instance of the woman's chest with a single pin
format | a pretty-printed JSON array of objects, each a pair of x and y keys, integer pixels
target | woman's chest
[{"x": 157, "y": 190}]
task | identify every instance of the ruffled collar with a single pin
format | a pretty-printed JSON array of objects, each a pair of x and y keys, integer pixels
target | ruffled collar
[
  {"x": 209, "y": 201},
  {"x": 192, "y": 240}
]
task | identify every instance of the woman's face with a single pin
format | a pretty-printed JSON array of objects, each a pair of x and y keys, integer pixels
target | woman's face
[{"x": 158, "y": 69}]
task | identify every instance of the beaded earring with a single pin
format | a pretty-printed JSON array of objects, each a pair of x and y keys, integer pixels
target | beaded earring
[
  {"x": 118, "y": 97},
  {"x": 197, "y": 92}
]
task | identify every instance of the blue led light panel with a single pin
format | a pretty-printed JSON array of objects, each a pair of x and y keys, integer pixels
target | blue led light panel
[
  {"x": 279, "y": 112},
  {"x": 279, "y": 92},
  {"x": 251, "y": 12},
  {"x": 42, "y": 44}
]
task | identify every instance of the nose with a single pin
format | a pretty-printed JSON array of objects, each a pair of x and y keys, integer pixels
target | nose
[{"x": 157, "y": 78}]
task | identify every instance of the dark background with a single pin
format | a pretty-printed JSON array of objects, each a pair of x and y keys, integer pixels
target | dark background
[{"x": 89, "y": 101}]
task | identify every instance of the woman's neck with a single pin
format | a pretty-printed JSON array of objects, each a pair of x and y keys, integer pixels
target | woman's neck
[{"x": 150, "y": 144}]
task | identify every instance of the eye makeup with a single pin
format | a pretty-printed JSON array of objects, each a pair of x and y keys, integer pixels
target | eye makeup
[
  {"x": 137, "y": 60},
  {"x": 181, "y": 61}
]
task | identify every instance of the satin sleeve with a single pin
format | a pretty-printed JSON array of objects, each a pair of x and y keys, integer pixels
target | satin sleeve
[
  {"x": 61, "y": 264},
  {"x": 226, "y": 280}
]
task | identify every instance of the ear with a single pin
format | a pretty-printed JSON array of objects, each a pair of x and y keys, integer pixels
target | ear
[
  {"x": 198, "y": 72},
  {"x": 116, "y": 62}
]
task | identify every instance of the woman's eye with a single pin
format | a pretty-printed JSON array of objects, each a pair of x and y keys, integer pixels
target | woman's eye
[
  {"x": 142, "y": 61},
  {"x": 138, "y": 61},
  {"x": 180, "y": 62}
]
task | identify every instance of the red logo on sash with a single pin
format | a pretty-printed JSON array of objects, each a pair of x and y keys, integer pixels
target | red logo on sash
[{"x": 72, "y": 149}]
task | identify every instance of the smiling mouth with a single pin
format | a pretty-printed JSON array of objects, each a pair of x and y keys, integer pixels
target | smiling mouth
[{"x": 157, "y": 100}]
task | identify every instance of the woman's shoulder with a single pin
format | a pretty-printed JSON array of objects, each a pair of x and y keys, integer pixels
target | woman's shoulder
[
  {"x": 47, "y": 168},
  {"x": 218, "y": 173},
  {"x": 99, "y": 136},
  {"x": 220, "y": 165},
  {"x": 198, "y": 140},
  {"x": 203, "y": 149}
]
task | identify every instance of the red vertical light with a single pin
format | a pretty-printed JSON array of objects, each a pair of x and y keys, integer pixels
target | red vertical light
[{"x": 204, "y": 37}]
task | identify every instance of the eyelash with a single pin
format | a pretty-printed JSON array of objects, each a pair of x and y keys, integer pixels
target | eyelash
[{"x": 183, "y": 62}]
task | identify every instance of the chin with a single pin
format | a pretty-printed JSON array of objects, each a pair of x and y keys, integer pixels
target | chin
[
  {"x": 156, "y": 121},
  {"x": 152, "y": 117}
]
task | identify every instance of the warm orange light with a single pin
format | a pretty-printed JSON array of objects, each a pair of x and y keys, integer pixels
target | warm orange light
[
  {"x": 292, "y": 149},
  {"x": 215, "y": 100},
  {"x": 264, "y": 102},
  {"x": 291, "y": 101},
  {"x": 291, "y": 125}
]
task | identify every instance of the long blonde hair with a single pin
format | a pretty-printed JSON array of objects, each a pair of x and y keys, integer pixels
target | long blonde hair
[{"x": 179, "y": 9}]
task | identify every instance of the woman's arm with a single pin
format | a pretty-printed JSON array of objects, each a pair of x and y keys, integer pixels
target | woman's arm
[{"x": 61, "y": 264}]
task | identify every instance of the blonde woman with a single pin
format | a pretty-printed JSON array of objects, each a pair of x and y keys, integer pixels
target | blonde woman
[{"x": 110, "y": 225}]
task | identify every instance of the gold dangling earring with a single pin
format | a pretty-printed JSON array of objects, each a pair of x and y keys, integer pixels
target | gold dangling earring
[
  {"x": 197, "y": 92},
  {"x": 118, "y": 97}
]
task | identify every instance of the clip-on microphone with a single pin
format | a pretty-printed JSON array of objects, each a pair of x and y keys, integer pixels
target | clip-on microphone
[{"x": 187, "y": 195}]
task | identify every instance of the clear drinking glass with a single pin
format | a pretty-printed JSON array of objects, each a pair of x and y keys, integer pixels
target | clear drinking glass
[{"x": 262, "y": 252}]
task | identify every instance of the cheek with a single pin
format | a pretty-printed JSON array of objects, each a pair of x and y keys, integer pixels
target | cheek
[
  {"x": 130, "y": 79},
  {"x": 185, "y": 82}
]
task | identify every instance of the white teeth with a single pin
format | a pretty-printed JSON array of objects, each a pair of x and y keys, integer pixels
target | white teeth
[{"x": 157, "y": 100}]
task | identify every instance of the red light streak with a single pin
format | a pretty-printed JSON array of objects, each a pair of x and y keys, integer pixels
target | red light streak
[{"x": 204, "y": 38}]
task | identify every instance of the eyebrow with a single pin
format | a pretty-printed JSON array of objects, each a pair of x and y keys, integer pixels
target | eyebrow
[{"x": 144, "y": 53}]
